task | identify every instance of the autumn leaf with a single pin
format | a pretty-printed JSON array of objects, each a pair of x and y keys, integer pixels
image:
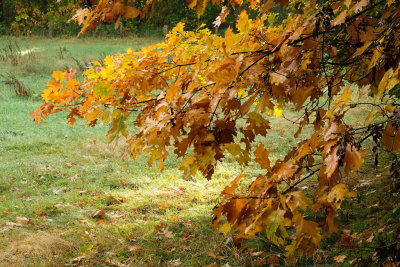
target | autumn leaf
[
  {"x": 262, "y": 157},
  {"x": 339, "y": 258}
]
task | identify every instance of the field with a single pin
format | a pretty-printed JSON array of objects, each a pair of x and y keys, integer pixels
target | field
[{"x": 67, "y": 198}]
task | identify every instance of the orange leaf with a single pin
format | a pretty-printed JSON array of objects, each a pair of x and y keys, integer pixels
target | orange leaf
[
  {"x": 131, "y": 12},
  {"x": 262, "y": 157},
  {"x": 353, "y": 158}
]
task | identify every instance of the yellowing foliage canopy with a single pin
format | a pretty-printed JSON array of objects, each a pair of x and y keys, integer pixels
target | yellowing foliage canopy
[{"x": 199, "y": 90}]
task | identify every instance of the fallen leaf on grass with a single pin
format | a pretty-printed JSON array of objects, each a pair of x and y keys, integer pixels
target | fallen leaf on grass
[
  {"x": 13, "y": 224},
  {"x": 188, "y": 236},
  {"x": 340, "y": 258},
  {"x": 72, "y": 178},
  {"x": 369, "y": 240},
  {"x": 112, "y": 262},
  {"x": 353, "y": 261},
  {"x": 175, "y": 219},
  {"x": 58, "y": 206},
  {"x": 212, "y": 254},
  {"x": 347, "y": 241},
  {"x": 84, "y": 221},
  {"x": 214, "y": 264},
  {"x": 176, "y": 262},
  {"x": 68, "y": 165},
  {"x": 164, "y": 207},
  {"x": 168, "y": 233},
  {"x": 256, "y": 254},
  {"x": 136, "y": 250},
  {"x": 23, "y": 220},
  {"x": 116, "y": 215},
  {"x": 78, "y": 259},
  {"x": 59, "y": 191},
  {"x": 161, "y": 227},
  {"x": 98, "y": 213},
  {"x": 38, "y": 213}
]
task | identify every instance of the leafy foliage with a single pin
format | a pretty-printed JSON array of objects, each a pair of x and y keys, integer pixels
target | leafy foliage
[{"x": 199, "y": 93}]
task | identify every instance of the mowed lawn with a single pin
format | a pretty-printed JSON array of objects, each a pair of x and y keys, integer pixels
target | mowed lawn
[{"x": 67, "y": 198}]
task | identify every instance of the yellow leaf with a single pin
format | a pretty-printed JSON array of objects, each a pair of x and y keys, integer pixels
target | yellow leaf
[
  {"x": 59, "y": 75},
  {"x": 243, "y": 23},
  {"x": 346, "y": 95},
  {"x": 278, "y": 110},
  {"x": 225, "y": 228},
  {"x": 361, "y": 49}
]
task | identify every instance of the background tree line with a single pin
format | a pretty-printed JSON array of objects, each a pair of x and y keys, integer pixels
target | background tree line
[{"x": 22, "y": 17}]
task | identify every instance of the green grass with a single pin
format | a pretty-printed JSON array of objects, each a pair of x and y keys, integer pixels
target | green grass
[
  {"x": 58, "y": 171},
  {"x": 62, "y": 179}
]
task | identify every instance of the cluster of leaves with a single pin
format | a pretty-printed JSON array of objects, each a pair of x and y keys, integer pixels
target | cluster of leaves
[{"x": 197, "y": 93}]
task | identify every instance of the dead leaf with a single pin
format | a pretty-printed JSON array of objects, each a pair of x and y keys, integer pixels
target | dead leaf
[
  {"x": 98, "y": 213},
  {"x": 59, "y": 191},
  {"x": 168, "y": 233},
  {"x": 176, "y": 262},
  {"x": 136, "y": 250},
  {"x": 13, "y": 224},
  {"x": 23, "y": 220},
  {"x": 161, "y": 227},
  {"x": 256, "y": 254},
  {"x": 38, "y": 212},
  {"x": 175, "y": 219},
  {"x": 78, "y": 259},
  {"x": 340, "y": 258}
]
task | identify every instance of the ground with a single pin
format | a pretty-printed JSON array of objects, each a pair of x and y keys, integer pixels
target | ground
[{"x": 67, "y": 198}]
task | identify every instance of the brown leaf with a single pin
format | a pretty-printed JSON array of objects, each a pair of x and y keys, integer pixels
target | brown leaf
[
  {"x": 168, "y": 233},
  {"x": 347, "y": 241},
  {"x": 391, "y": 137},
  {"x": 262, "y": 157},
  {"x": 131, "y": 12},
  {"x": 341, "y": 18},
  {"x": 353, "y": 158},
  {"x": 136, "y": 250},
  {"x": 78, "y": 259},
  {"x": 98, "y": 213},
  {"x": 340, "y": 258},
  {"x": 23, "y": 220}
]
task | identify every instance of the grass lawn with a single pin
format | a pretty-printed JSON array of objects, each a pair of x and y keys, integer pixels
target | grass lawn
[{"x": 67, "y": 198}]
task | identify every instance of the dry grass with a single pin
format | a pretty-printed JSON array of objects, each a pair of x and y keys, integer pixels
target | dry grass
[
  {"x": 41, "y": 248},
  {"x": 19, "y": 88}
]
